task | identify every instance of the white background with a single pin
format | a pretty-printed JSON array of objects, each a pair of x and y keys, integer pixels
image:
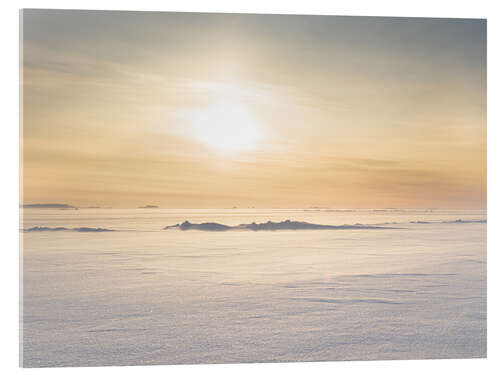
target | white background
[{"x": 9, "y": 174}]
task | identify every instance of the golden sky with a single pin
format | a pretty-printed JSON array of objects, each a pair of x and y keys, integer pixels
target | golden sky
[{"x": 194, "y": 110}]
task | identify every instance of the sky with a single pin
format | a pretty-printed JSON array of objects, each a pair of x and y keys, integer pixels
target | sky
[{"x": 192, "y": 110}]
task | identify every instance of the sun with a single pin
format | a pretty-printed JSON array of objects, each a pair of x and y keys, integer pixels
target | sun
[{"x": 227, "y": 126}]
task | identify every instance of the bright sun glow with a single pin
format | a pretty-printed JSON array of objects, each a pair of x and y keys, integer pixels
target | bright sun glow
[{"x": 227, "y": 127}]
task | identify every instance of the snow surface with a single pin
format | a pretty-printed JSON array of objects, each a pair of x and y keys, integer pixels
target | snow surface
[{"x": 143, "y": 295}]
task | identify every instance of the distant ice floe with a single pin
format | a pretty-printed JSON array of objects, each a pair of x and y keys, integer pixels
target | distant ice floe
[
  {"x": 301, "y": 225},
  {"x": 458, "y": 221},
  {"x": 57, "y": 229},
  {"x": 59, "y": 206},
  {"x": 269, "y": 226}
]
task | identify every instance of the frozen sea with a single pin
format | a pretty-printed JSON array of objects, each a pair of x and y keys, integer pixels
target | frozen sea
[{"x": 141, "y": 295}]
